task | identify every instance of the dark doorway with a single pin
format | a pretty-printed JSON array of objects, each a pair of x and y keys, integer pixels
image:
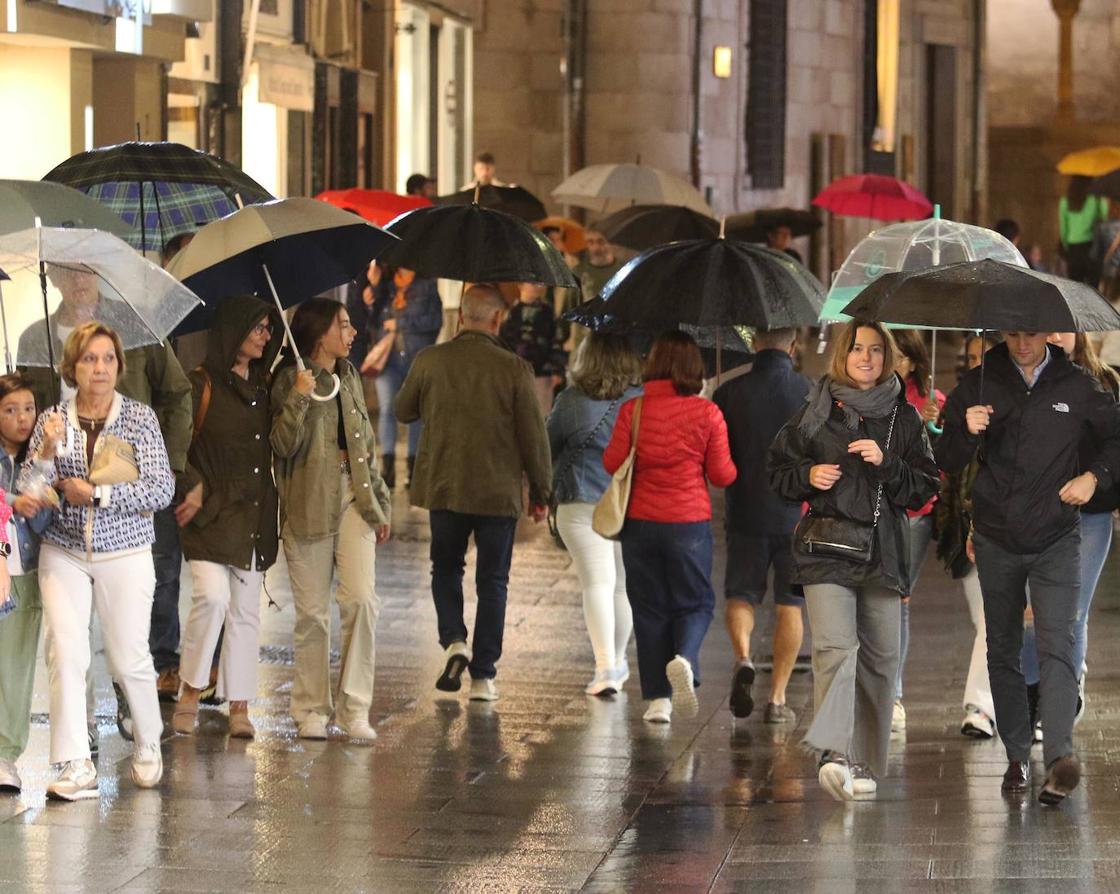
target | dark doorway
[{"x": 941, "y": 127}]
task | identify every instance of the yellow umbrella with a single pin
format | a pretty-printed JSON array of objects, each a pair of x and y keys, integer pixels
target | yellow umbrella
[{"x": 1091, "y": 162}]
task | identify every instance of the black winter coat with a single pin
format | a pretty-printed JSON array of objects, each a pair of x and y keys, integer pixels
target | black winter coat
[
  {"x": 908, "y": 474},
  {"x": 1031, "y": 448}
]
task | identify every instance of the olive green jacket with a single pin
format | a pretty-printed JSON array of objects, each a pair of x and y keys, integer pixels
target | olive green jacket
[
  {"x": 305, "y": 441},
  {"x": 483, "y": 428}
]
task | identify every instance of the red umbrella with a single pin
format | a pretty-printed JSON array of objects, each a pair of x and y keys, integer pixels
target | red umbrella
[
  {"x": 378, "y": 206},
  {"x": 876, "y": 196}
]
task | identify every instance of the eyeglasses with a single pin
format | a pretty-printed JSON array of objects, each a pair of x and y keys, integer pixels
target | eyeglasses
[{"x": 262, "y": 329}]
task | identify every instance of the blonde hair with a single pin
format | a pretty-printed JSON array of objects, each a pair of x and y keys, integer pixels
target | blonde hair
[
  {"x": 604, "y": 366},
  {"x": 77, "y": 343},
  {"x": 845, "y": 341},
  {"x": 1085, "y": 355}
]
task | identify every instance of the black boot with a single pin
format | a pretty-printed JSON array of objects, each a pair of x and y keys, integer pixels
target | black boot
[
  {"x": 411, "y": 466},
  {"x": 389, "y": 470}
]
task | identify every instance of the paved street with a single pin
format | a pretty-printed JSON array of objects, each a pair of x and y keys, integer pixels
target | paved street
[{"x": 550, "y": 790}]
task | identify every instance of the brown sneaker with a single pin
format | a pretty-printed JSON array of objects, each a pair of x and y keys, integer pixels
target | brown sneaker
[
  {"x": 167, "y": 684},
  {"x": 240, "y": 726},
  {"x": 184, "y": 718}
]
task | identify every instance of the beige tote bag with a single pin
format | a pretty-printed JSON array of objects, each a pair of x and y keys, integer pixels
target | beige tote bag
[{"x": 610, "y": 512}]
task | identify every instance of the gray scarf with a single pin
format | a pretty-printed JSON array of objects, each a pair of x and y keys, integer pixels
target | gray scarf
[{"x": 874, "y": 403}]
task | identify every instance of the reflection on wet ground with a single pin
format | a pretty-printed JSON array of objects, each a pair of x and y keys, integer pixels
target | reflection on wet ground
[{"x": 550, "y": 790}]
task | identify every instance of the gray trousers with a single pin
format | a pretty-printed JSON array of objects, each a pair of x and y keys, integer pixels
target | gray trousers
[
  {"x": 1054, "y": 576},
  {"x": 855, "y": 663}
]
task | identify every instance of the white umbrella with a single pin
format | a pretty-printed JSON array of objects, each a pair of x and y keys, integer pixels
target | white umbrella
[{"x": 608, "y": 188}]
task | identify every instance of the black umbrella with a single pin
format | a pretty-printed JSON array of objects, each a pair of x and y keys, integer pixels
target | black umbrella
[
  {"x": 1107, "y": 185},
  {"x": 475, "y": 244},
  {"x": 645, "y": 226},
  {"x": 754, "y": 225},
  {"x": 513, "y": 200}
]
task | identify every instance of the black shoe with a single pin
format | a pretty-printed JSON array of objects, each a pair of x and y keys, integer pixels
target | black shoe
[
  {"x": 741, "y": 702},
  {"x": 1017, "y": 779},
  {"x": 124, "y": 715},
  {"x": 1062, "y": 778},
  {"x": 389, "y": 470}
]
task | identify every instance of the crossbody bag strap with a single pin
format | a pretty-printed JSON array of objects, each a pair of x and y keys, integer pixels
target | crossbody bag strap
[
  {"x": 886, "y": 447},
  {"x": 634, "y": 420}
]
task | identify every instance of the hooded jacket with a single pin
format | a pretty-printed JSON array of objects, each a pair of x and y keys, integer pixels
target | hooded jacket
[
  {"x": 231, "y": 452},
  {"x": 1031, "y": 447}
]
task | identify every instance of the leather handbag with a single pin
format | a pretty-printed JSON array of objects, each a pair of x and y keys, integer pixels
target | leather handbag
[
  {"x": 844, "y": 538},
  {"x": 114, "y": 461},
  {"x": 610, "y": 512}
]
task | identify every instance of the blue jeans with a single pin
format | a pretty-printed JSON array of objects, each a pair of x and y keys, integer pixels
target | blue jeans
[
  {"x": 669, "y": 584},
  {"x": 388, "y": 383},
  {"x": 921, "y": 533},
  {"x": 167, "y": 556},
  {"x": 493, "y": 539},
  {"x": 1096, "y": 538}
]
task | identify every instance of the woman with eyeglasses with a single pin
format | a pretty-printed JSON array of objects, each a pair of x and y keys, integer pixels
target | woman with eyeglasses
[{"x": 230, "y": 539}]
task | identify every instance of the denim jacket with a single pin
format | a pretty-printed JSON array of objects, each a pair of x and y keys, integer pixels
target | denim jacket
[
  {"x": 27, "y": 529},
  {"x": 578, "y": 475}
]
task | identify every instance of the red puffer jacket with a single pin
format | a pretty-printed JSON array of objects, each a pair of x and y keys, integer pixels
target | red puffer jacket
[{"x": 680, "y": 440}]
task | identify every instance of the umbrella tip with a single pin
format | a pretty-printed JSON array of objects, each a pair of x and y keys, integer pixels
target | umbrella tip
[
  {"x": 722, "y": 225},
  {"x": 937, "y": 211},
  {"x": 477, "y": 191}
]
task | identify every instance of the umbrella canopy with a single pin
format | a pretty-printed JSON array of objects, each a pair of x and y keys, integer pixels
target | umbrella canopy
[
  {"x": 985, "y": 294},
  {"x": 307, "y": 245},
  {"x": 514, "y": 200},
  {"x": 753, "y": 226},
  {"x": 607, "y": 188},
  {"x": 875, "y": 196},
  {"x": 573, "y": 232},
  {"x": 713, "y": 282},
  {"x": 913, "y": 246},
  {"x": 160, "y": 189},
  {"x": 91, "y": 268},
  {"x": 1093, "y": 162},
  {"x": 475, "y": 244},
  {"x": 378, "y": 206},
  {"x": 644, "y": 226},
  {"x": 55, "y": 205}
]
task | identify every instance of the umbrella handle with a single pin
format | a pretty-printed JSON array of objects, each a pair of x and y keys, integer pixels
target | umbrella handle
[{"x": 300, "y": 365}]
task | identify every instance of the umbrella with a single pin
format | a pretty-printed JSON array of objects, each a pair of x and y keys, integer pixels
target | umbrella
[
  {"x": 22, "y": 202},
  {"x": 607, "y": 188},
  {"x": 574, "y": 241},
  {"x": 471, "y": 243},
  {"x": 644, "y": 226},
  {"x": 1091, "y": 162},
  {"x": 514, "y": 200},
  {"x": 163, "y": 188},
  {"x": 753, "y": 226},
  {"x": 378, "y": 206},
  {"x": 875, "y": 196}
]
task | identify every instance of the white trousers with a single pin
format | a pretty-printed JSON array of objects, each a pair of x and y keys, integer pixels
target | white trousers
[
  {"x": 977, "y": 689},
  {"x": 230, "y": 596},
  {"x": 598, "y": 564},
  {"x": 120, "y": 588}
]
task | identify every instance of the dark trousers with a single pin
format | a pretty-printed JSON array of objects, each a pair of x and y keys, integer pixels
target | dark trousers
[
  {"x": 167, "y": 555},
  {"x": 669, "y": 584},
  {"x": 1054, "y": 577},
  {"x": 493, "y": 539}
]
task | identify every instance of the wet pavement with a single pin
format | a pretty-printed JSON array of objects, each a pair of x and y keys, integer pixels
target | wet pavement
[{"x": 548, "y": 789}]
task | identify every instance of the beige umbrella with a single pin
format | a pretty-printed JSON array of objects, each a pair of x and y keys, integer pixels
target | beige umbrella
[{"x": 609, "y": 188}]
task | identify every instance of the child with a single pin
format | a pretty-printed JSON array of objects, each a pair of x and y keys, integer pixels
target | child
[
  {"x": 19, "y": 632},
  {"x": 530, "y": 329}
]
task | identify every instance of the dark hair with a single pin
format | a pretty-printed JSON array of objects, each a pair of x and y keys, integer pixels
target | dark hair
[
  {"x": 1007, "y": 228},
  {"x": 176, "y": 244},
  {"x": 311, "y": 321},
  {"x": 13, "y": 382},
  {"x": 912, "y": 346},
  {"x": 486, "y": 158},
  {"x": 1078, "y": 192},
  {"x": 415, "y": 184},
  {"x": 676, "y": 356},
  {"x": 772, "y": 338}
]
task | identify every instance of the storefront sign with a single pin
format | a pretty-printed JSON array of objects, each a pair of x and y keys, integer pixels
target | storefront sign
[{"x": 287, "y": 82}]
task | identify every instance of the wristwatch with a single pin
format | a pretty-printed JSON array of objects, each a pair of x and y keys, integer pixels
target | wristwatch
[
  {"x": 5, "y": 549},
  {"x": 97, "y": 496}
]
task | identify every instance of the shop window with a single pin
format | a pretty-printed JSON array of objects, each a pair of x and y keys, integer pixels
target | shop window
[{"x": 765, "y": 129}]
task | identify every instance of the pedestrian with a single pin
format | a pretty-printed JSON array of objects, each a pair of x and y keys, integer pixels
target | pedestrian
[
  {"x": 334, "y": 509},
  {"x": 19, "y": 630},
  {"x": 230, "y": 541},
  {"x": 681, "y": 444},
  {"x": 420, "y": 185},
  {"x": 858, "y": 454},
  {"x": 912, "y": 363},
  {"x": 407, "y": 319},
  {"x": 365, "y": 297},
  {"x": 105, "y": 456},
  {"x": 483, "y": 433},
  {"x": 605, "y": 373},
  {"x": 485, "y": 172},
  {"x": 530, "y": 329},
  {"x": 593, "y": 272},
  {"x": 1079, "y": 212},
  {"x": 1030, "y": 419},
  {"x": 759, "y": 523},
  {"x": 780, "y": 238}
]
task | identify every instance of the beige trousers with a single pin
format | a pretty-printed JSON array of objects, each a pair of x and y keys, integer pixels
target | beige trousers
[{"x": 312, "y": 564}]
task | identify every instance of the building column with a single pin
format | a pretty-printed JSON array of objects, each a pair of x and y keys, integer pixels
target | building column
[{"x": 1066, "y": 10}]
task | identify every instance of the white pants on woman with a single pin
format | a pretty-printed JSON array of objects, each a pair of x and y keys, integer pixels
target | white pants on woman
[
  {"x": 230, "y": 596},
  {"x": 598, "y": 564},
  {"x": 120, "y": 586},
  {"x": 977, "y": 688}
]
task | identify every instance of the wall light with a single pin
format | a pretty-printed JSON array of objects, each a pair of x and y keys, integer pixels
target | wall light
[{"x": 721, "y": 62}]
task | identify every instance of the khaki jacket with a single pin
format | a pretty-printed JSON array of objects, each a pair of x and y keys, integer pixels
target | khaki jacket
[
  {"x": 305, "y": 440},
  {"x": 482, "y": 428}
]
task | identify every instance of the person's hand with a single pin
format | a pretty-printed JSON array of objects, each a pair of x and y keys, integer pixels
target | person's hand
[
  {"x": 54, "y": 433},
  {"x": 978, "y": 418},
  {"x": 557, "y": 380},
  {"x": 5, "y": 583},
  {"x": 538, "y": 512},
  {"x": 367, "y": 296},
  {"x": 382, "y": 533},
  {"x": 188, "y": 509},
  {"x": 930, "y": 411},
  {"x": 970, "y": 549},
  {"x": 305, "y": 382},
  {"x": 1078, "y": 491},
  {"x": 28, "y": 506},
  {"x": 868, "y": 449},
  {"x": 389, "y": 325},
  {"x": 824, "y": 475},
  {"x": 76, "y": 491}
]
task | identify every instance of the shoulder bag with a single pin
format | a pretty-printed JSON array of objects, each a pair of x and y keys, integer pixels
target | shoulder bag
[
  {"x": 553, "y": 501},
  {"x": 610, "y": 511}
]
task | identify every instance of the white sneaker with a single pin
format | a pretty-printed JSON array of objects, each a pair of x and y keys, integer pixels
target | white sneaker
[
  {"x": 898, "y": 718},
  {"x": 147, "y": 765},
  {"x": 359, "y": 730},
  {"x": 458, "y": 656},
  {"x": 9, "y": 777},
  {"x": 484, "y": 690},
  {"x": 679, "y": 672},
  {"x": 660, "y": 710},
  {"x": 977, "y": 724},
  {"x": 604, "y": 683},
  {"x": 1038, "y": 733},
  {"x": 622, "y": 673},
  {"x": 863, "y": 782},
  {"x": 835, "y": 778},
  {"x": 1080, "y": 700},
  {"x": 314, "y": 726},
  {"x": 76, "y": 781}
]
